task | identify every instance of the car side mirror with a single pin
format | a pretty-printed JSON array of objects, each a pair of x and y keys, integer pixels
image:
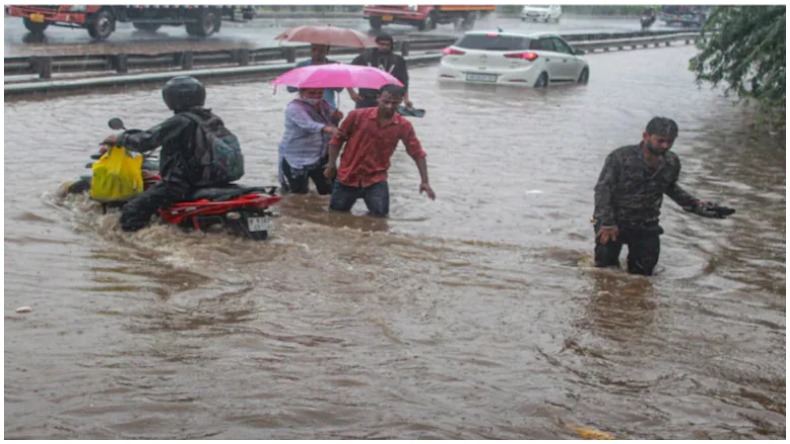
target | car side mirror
[{"x": 578, "y": 51}]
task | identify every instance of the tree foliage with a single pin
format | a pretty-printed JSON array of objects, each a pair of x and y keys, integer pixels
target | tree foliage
[{"x": 743, "y": 48}]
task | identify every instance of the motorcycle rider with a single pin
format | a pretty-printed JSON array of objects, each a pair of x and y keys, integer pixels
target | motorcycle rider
[
  {"x": 176, "y": 136},
  {"x": 648, "y": 17}
]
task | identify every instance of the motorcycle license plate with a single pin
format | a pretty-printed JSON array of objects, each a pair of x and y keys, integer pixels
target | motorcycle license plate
[
  {"x": 259, "y": 224},
  {"x": 37, "y": 18},
  {"x": 387, "y": 18}
]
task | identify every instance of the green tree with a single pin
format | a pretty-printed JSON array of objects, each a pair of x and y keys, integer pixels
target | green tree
[{"x": 743, "y": 48}]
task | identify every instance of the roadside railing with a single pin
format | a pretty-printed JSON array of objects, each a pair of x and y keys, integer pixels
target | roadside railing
[{"x": 45, "y": 66}]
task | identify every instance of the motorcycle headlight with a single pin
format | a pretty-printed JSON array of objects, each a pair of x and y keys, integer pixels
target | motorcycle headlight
[{"x": 77, "y": 8}]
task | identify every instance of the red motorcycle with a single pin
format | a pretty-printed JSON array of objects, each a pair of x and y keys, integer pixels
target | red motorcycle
[{"x": 233, "y": 208}]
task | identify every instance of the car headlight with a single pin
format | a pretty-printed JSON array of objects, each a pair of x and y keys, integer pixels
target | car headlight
[{"x": 77, "y": 8}]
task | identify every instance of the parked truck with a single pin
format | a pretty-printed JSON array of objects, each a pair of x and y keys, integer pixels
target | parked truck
[
  {"x": 425, "y": 16},
  {"x": 100, "y": 20}
]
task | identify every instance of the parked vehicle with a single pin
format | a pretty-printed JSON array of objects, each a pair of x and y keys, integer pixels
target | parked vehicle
[
  {"x": 685, "y": 15},
  {"x": 232, "y": 208},
  {"x": 100, "y": 20},
  {"x": 541, "y": 12},
  {"x": 507, "y": 58},
  {"x": 425, "y": 17}
]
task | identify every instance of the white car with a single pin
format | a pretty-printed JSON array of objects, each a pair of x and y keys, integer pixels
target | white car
[
  {"x": 541, "y": 12},
  {"x": 507, "y": 58}
]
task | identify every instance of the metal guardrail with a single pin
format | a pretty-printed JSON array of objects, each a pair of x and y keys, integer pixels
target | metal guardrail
[
  {"x": 45, "y": 66},
  {"x": 636, "y": 42}
]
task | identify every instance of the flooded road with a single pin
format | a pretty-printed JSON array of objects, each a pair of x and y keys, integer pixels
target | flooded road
[{"x": 475, "y": 316}]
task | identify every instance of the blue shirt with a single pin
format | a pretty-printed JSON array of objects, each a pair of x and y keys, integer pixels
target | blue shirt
[
  {"x": 303, "y": 144},
  {"x": 329, "y": 93}
]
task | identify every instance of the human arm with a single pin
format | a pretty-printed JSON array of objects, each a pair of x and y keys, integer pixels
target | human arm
[
  {"x": 297, "y": 114},
  {"x": 415, "y": 151},
  {"x": 604, "y": 191},
  {"x": 336, "y": 143},
  {"x": 422, "y": 167},
  {"x": 697, "y": 206},
  {"x": 690, "y": 203},
  {"x": 402, "y": 73},
  {"x": 353, "y": 94},
  {"x": 330, "y": 171},
  {"x": 154, "y": 137}
]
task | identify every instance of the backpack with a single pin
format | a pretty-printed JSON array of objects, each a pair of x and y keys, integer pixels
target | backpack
[{"x": 217, "y": 156}]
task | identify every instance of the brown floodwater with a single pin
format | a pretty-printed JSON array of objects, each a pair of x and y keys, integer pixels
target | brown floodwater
[{"x": 475, "y": 316}]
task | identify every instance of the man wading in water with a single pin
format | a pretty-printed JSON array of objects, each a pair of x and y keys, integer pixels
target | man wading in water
[{"x": 628, "y": 199}]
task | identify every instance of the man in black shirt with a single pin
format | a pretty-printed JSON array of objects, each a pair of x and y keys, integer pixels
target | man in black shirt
[
  {"x": 629, "y": 194},
  {"x": 384, "y": 59}
]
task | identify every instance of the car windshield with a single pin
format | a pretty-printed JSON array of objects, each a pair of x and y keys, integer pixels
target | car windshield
[{"x": 493, "y": 42}]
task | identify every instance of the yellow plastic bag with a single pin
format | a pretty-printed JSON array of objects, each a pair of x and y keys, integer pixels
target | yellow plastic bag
[{"x": 117, "y": 175}]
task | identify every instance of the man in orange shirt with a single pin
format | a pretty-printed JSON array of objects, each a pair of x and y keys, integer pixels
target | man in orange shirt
[{"x": 370, "y": 136}]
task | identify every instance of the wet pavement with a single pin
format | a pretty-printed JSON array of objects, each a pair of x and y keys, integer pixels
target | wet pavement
[{"x": 475, "y": 316}]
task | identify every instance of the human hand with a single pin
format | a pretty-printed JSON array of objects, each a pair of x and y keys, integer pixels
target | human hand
[
  {"x": 607, "y": 234},
  {"x": 408, "y": 103},
  {"x": 355, "y": 96},
  {"x": 712, "y": 210},
  {"x": 428, "y": 190},
  {"x": 329, "y": 129},
  {"x": 330, "y": 171},
  {"x": 337, "y": 115},
  {"x": 110, "y": 140}
]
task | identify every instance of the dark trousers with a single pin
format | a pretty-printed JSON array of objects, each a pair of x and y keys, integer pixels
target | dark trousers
[
  {"x": 643, "y": 243},
  {"x": 376, "y": 196},
  {"x": 136, "y": 214},
  {"x": 298, "y": 179}
]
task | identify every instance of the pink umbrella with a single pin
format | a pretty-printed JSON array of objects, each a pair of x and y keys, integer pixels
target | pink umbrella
[
  {"x": 327, "y": 35},
  {"x": 336, "y": 75}
]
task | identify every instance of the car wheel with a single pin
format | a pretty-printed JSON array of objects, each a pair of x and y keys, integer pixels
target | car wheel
[
  {"x": 543, "y": 80},
  {"x": 102, "y": 25},
  {"x": 35, "y": 27},
  {"x": 584, "y": 77},
  {"x": 523, "y": 19}
]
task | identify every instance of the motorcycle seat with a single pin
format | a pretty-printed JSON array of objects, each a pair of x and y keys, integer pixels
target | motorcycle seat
[{"x": 227, "y": 192}]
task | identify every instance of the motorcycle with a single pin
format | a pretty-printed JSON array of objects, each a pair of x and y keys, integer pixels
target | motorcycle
[
  {"x": 647, "y": 21},
  {"x": 237, "y": 209}
]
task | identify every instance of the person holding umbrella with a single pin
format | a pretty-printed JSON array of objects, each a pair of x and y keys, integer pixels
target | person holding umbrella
[
  {"x": 318, "y": 56},
  {"x": 309, "y": 123},
  {"x": 321, "y": 39}
]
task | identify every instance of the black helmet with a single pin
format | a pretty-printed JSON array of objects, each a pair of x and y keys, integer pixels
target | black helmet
[{"x": 183, "y": 92}]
